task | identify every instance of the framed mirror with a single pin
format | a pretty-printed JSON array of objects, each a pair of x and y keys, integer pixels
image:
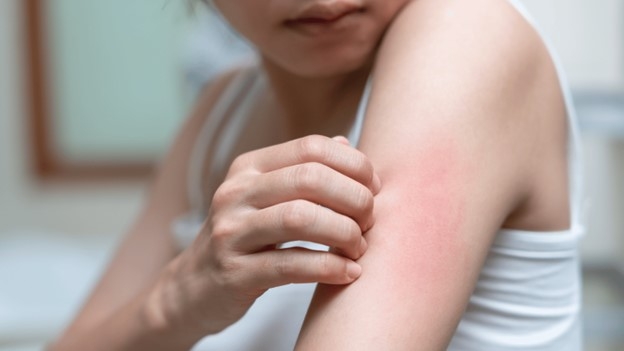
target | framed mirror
[{"x": 106, "y": 84}]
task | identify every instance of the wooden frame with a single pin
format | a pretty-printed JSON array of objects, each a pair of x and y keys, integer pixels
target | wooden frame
[{"x": 47, "y": 162}]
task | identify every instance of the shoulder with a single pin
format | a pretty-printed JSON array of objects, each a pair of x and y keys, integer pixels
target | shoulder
[
  {"x": 479, "y": 42},
  {"x": 476, "y": 62},
  {"x": 470, "y": 72},
  {"x": 213, "y": 91},
  {"x": 474, "y": 75},
  {"x": 494, "y": 26},
  {"x": 202, "y": 110},
  {"x": 171, "y": 179},
  {"x": 198, "y": 115}
]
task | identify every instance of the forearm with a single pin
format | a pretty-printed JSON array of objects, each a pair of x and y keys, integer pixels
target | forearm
[{"x": 139, "y": 325}]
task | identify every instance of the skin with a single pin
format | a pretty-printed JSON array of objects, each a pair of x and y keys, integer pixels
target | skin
[
  {"x": 316, "y": 81},
  {"x": 464, "y": 100},
  {"x": 466, "y": 122}
]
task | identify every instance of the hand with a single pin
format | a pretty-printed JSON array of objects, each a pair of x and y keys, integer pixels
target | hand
[{"x": 313, "y": 189}]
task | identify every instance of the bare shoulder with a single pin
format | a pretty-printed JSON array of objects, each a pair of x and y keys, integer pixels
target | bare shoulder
[
  {"x": 170, "y": 184},
  {"x": 482, "y": 43},
  {"x": 478, "y": 73},
  {"x": 199, "y": 114},
  {"x": 483, "y": 30},
  {"x": 211, "y": 92},
  {"x": 476, "y": 64}
]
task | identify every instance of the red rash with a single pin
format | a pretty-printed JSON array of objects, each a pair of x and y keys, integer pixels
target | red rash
[{"x": 421, "y": 212}]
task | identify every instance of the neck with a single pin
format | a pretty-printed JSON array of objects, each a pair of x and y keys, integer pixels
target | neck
[{"x": 313, "y": 105}]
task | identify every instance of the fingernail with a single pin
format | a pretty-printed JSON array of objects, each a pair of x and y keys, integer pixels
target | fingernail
[
  {"x": 363, "y": 246},
  {"x": 353, "y": 270}
]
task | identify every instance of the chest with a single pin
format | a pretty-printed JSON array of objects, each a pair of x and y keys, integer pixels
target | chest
[{"x": 251, "y": 124}]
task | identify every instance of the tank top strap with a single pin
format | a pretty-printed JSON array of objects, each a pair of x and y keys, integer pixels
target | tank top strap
[
  {"x": 575, "y": 162},
  {"x": 230, "y": 133},
  {"x": 227, "y": 104},
  {"x": 356, "y": 130},
  {"x": 185, "y": 228}
]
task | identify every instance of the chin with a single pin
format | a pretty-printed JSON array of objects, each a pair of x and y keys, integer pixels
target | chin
[
  {"x": 321, "y": 69},
  {"x": 325, "y": 63}
]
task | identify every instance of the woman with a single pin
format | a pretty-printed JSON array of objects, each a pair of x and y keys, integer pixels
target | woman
[{"x": 452, "y": 225}]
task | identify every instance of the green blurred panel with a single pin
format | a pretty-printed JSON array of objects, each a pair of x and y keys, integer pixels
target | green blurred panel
[{"x": 117, "y": 80}]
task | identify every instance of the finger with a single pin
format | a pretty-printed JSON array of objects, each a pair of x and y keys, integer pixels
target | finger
[
  {"x": 299, "y": 265},
  {"x": 336, "y": 155},
  {"x": 305, "y": 221},
  {"x": 317, "y": 183},
  {"x": 341, "y": 139},
  {"x": 376, "y": 185}
]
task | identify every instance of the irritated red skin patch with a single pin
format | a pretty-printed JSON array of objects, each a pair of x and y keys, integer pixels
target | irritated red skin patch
[
  {"x": 417, "y": 251},
  {"x": 421, "y": 213}
]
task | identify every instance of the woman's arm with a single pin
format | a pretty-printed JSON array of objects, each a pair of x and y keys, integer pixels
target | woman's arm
[
  {"x": 149, "y": 301},
  {"x": 115, "y": 311},
  {"x": 451, "y": 130}
]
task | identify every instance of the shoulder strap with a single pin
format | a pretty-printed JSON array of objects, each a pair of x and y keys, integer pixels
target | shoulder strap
[
  {"x": 226, "y": 102},
  {"x": 356, "y": 130}
]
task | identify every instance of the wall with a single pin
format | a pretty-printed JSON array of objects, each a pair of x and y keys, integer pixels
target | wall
[
  {"x": 589, "y": 37},
  {"x": 53, "y": 237},
  {"x": 118, "y": 82},
  {"x": 25, "y": 204}
]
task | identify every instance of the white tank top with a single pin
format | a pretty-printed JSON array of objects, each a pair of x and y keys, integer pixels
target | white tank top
[{"x": 528, "y": 294}]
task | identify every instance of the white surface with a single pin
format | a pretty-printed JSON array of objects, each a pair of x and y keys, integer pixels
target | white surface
[
  {"x": 588, "y": 35},
  {"x": 24, "y": 347},
  {"x": 601, "y": 119},
  {"x": 103, "y": 209},
  {"x": 602, "y": 116},
  {"x": 44, "y": 279},
  {"x": 115, "y": 77}
]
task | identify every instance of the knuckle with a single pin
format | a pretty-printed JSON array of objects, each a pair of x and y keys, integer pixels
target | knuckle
[
  {"x": 326, "y": 267},
  {"x": 284, "y": 266},
  {"x": 221, "y": 196},
  {"x": 226, "y": 272},
  {"x": 222, "y": 230},
  {"x": 364, "y": 167},
  {"x": 312, "y": 147},
  {"x": 306, "y": 176},
  {"x": 296, "y": 215},
  {"x": 352, "y": 232},
  {"x": 227, "y": 192},
  {"x": 240, "y": 162},
  {"x": 363, "y": 200}
]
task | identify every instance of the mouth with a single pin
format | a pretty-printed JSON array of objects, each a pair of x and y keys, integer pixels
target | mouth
[{"x": 317, "y": 16}]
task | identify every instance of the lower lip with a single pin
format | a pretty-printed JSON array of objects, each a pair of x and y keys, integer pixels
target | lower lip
[{"x": 312, "y": 27}]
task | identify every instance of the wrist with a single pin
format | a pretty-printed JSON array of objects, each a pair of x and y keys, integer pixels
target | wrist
[
  {"x": 153, "y": 312},
  {"x": 162, "y": 311}
]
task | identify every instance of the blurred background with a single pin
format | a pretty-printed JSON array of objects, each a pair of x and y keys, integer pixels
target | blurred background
[{"x": 91, "y": 93}]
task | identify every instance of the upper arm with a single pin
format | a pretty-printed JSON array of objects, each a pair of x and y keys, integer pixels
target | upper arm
[
  {"x": 148, "y": 246},
  {"x": 446, "y": 131}
]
